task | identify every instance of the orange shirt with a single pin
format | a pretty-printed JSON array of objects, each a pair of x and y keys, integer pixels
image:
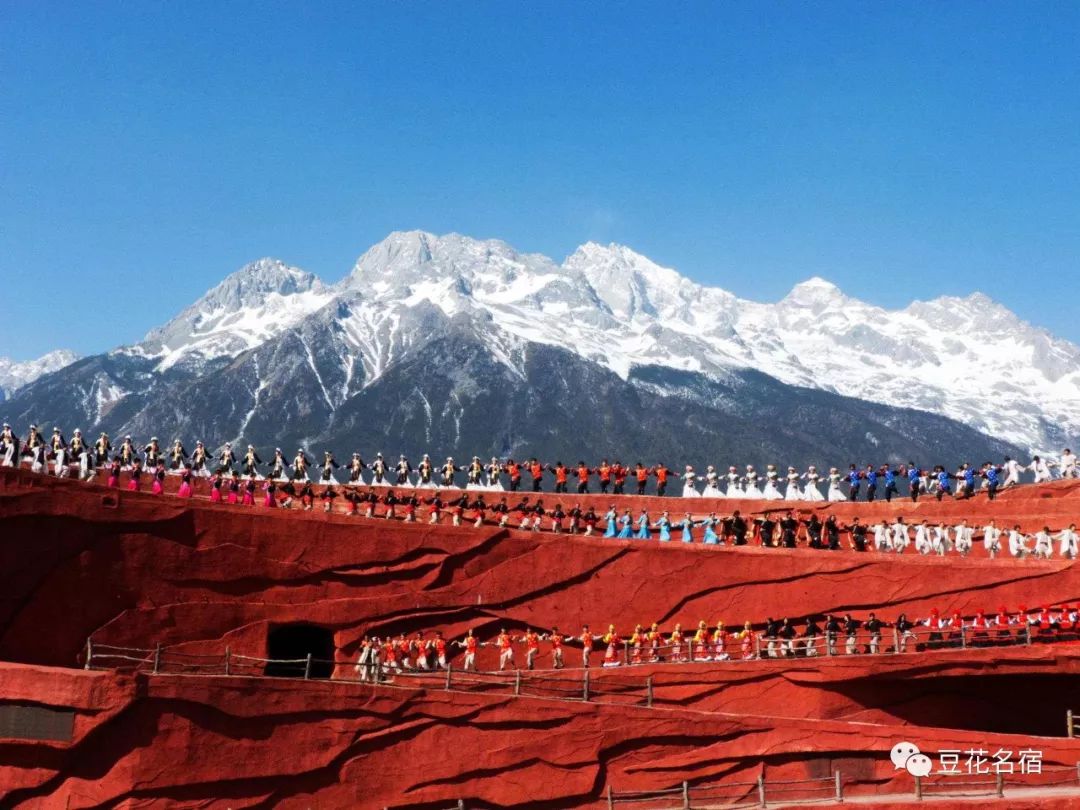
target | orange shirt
[
  {"x": 605, "y": 472},
  {"x": 662, "y": 474},
  {"x": 504, "y": 641}
]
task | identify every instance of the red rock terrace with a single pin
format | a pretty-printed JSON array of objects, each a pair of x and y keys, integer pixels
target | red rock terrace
[{"x": 186, "y": 580}]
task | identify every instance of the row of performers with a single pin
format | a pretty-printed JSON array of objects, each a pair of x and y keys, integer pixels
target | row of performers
[
  {"x": 789, "y": 530},
  {"x": 773, "y": 639},
  {"x": 613, "y": 477}
]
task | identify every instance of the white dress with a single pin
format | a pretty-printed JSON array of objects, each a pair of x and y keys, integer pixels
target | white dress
[
  {"x": 689, "y": 490},
  {"x": 712, "y": 486},
  {"x": 771, "y": 492},
  {"x": 734, "y": 488},
  {"x": 750, "y": 486},
  {"x": 812, "y": 492},
  {"x": 793, "y": 491},
  {"x": 835, "y": 493}
]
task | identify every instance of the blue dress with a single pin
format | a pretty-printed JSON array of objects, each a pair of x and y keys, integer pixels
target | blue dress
[
  {"x": 664, "y": 525},
  {"x": 624, "y": 527},
  {"x": 687, "y": 531},
  {"x": 711, "y": 538},
  {"x": 610, "y": 517},
  {"x": 643, "y": 528}
]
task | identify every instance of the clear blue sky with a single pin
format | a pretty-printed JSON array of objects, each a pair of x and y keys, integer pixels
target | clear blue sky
[{"x": 899, "y": 149}]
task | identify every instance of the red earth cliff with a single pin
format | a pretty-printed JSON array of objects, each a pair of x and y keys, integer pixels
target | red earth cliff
[{"x": 138, "y": 570}]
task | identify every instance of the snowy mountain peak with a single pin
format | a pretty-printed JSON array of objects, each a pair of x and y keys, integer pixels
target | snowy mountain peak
[
  {"x": 248, "y": 285},
  {"x": 816, "y": 293},
  {"x": 14, "y": 375},
  {"x": 258, "y": 301}
]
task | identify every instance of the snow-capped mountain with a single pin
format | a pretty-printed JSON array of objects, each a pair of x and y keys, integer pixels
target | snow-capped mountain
[
  {"x": 254, "y": 304},
  {"x": 467, "y": 345},
  {"x": 14, "y": 376}
]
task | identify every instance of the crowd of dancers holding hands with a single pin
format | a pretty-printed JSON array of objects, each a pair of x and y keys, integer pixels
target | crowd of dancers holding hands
[
  {"x": 828, "y": 634},
  {"x": 377, "y": 490},
  {"x": 79, "y": 456}
]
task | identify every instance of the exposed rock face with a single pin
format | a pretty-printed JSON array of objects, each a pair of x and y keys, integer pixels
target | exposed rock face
[{"x": 136, "y": 570}]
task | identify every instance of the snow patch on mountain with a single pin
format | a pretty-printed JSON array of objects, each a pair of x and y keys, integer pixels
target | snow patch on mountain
[
  {"x": 254, "y": 304},
  {"x": 14, "y": 375}
]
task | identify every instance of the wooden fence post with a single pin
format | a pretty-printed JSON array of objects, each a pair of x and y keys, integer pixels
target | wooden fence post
[
  {"x": 963, "y": 637},
  {"x": 228, "y": 661},
  {"x": 611, "y": 800},
  {"x": 999, "y": 785},
  {"x": 648, "y": 693},
  {"x": 686, "y": 795},
  {"x": 1070, "y": 728},
  {"x": 448, "y": 668},
  {"x": 761, "y": 789},
  {"x": 585, "y": 686},
  {"x": 839, "y": 787},
  {"x": 517, "y": 682},
  {"x": 896, "y": 641},
  {"x": 307, "y": 668},
  {"x": 89, "y": 653},
  {"x": 157, "y": 659},
  {"x": 918, "y": 788}
]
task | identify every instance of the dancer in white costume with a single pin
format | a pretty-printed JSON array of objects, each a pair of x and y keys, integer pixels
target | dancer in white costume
[
  {"x": 1012, "y": 473},
  {"x": 923, "y": 540},
  {"x": 1041, "y": 468},
  {"x": 1069, "y": 540},
  {"x": 881, "y": 537},
  {"x": 750, "y": 483},
  {"x": 793, "y": 491},
  {"x": 689, "y": 483},
  {"x": 771, "y": 492},
  {"x": 901, "y": 538},
  {"x": 712, "y": 484},
  {"x": 992, "y": 539},
  {"x": 812, "y": 492},
  {"x": 1067, "y": 463},
  {"x": 835, "y": 493},
  {"x": 734, "y": 486}
]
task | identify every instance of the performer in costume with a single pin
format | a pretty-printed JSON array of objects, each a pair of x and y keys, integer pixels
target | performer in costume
[
  {"x": 329, "y": 464},
  {"x": 793, "y": 492},
  {"x": 835, "y": 494},
  {"x": 689, "y": 483},
  {"x": 643, "y": 526},
  {"x": 226, "y": 459},
  {"x": 609, "y": 519},
  {"x": 771, "y": 491},
  {"x": 664, "y": 526},
  {"x": 102, "y": 447},
  {"x": 712, "y": 484},
  {"x": 403, "y": 470},
  {"x": 200, "y": 461},
  {"x": 177, "y": 456},
  {"x": 812, "y": 492},
  {"x": 750, "y": 483}
]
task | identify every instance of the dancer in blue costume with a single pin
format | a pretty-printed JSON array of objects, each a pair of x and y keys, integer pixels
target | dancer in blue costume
[
  {"x": 711, "y": 538},
  {"x": 643, "y": 526},
  {"x": 664, "y": 525},
  {"x": 687, "y": 527},
  {"x": 610, "y": 518},
  {"x": 624, "y": 525}
]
